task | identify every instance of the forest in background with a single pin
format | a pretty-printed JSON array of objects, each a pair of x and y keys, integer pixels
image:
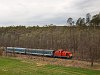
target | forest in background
[{"x": 82, "y": 40}]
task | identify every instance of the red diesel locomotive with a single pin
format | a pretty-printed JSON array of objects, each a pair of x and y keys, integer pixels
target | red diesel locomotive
[{"x": 62, "y": 53}]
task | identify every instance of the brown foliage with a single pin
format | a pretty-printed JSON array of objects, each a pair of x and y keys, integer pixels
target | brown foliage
[{"x": 82, "y": 41}]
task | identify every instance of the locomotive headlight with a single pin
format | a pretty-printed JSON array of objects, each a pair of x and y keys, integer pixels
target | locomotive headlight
[{"x": 70, "y": 54}]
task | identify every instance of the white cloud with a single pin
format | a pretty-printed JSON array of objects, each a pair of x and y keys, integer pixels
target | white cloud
[{"x": 33, "y": 12}]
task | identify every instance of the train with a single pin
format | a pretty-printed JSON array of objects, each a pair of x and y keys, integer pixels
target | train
[{"x": 60, "y": 53}]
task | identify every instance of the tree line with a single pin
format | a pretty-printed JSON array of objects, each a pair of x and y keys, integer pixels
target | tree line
[
  {"x": 82, "y": 41},
  {"x": 88, "y": 21}
]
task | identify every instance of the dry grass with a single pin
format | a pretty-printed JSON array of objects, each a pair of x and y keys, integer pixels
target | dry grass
[
  {"x": 41, "y": 61},
  {"x": 26, "y": 66}
]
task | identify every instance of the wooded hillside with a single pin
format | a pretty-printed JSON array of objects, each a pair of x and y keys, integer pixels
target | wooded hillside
[{"x": 84, "y": 41}]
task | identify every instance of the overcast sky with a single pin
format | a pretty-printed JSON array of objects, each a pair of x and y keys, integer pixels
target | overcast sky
[{"x": 42, "y": 12}]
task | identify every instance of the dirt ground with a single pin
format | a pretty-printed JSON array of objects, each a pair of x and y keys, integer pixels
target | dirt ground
[{"x": 41, "y": 60}]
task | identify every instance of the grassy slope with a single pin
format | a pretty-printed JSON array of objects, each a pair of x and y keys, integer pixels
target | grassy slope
[{"x": 9, "y": 66}]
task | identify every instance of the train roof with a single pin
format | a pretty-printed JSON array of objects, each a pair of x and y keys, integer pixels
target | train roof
[
  {"x": 15, "y": 48},
  {"x": 28, "y": 48}
]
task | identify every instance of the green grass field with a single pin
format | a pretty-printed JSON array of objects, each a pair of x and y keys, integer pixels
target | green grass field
[{"x": 10, "y": 66}]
